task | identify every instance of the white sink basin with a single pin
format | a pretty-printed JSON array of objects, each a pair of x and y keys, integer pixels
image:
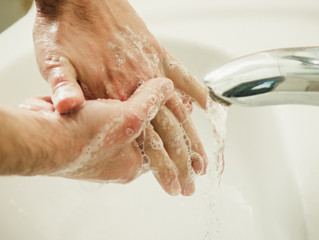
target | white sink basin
[{"x": 262, "y": 195}]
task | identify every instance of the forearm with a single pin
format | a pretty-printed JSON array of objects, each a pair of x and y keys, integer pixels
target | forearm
[{"x": 24, "y": 143}]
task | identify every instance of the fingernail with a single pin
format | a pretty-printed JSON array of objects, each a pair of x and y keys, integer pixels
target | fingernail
[
  {"x": 62, "y": 92},
  {"x": 176, "y": 187},
  {"x": 66, "y": 99},
  {"x": 197, "y": 163}
]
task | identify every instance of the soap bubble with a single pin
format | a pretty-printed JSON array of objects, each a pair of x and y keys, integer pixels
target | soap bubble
[
  {"x": 129, "y": 132},
  {"x": 152, "y": 112},
  {"x": 155, "y": 171},
  {"x": 152, "y": 98},
  {"x": 156, "y": 145}
]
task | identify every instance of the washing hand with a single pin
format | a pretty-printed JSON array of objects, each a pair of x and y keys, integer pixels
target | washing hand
[
  {"x": 102, "y": 49},
  {"x": 97, "y": 142}
]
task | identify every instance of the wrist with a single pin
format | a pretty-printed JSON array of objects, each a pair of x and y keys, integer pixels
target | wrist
[{"x": 27, "y": 145}]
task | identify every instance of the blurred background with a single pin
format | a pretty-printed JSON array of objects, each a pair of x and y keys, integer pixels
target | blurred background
[{"x": 11, "y": 11}]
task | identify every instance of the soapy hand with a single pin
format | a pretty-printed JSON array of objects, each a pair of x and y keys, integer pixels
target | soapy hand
[
  {"x": 98, "y": 142},
  {"x": 102, "y": 49}
]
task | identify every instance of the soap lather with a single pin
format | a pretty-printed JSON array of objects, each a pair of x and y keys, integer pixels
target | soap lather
[{"x": 281, "y": 76}]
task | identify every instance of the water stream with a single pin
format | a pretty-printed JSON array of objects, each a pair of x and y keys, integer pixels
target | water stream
[{"x": 217, "y": 115}]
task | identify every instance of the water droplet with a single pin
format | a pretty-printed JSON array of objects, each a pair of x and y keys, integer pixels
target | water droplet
[
  {"x": 156, "y": 145},
  {"x": 129, "y": 132},
  {"x": 152, "y": 98}
]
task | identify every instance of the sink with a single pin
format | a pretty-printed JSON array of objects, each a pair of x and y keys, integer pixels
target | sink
[{"x": 261, "y": 195}]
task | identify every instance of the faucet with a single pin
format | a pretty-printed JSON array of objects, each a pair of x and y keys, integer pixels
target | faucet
[{"x": 281, "y": 76}]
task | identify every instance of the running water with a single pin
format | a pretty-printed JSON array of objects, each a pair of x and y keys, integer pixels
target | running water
[{"x": 217, "y": 115}]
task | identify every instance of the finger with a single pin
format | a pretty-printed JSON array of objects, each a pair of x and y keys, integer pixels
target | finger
[
  {"x": 198, "y": 155},
  {"x": 144, "y": 103},
  {"x": 129, "y": 163},
  {"x": 186, "y": 100},
  {"x": 175, "y": 104},
  {"x": 160, "y": 164},
  {"x": 184, "y": 80},
  {"x": 124, "y": 168},
  {"x": 170, "y": 131},
  {"x": 38, "y": 104},
  {"x": 67, "y": 94}
]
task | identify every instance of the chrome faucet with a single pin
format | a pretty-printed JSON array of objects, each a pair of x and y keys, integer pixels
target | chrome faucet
[{"x": 281, "y": 76}]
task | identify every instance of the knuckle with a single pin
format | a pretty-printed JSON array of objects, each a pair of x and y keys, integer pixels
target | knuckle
[{"x": 52, "y": 62}]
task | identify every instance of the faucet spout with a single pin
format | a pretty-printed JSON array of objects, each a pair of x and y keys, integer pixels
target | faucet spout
[{"x": 282, "y": 76}]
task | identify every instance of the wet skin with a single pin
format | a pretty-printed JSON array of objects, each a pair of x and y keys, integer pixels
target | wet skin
[
  {"x": 96, "y": 142},
  {"x": 102, "y": 49}
]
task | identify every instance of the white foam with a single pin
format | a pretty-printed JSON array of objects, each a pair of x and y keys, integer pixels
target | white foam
[
  {"x": 146, "y": 163},
  {"x": 155, "y": 171},
  {"x": 152, "y": 98},
  {"x": 91, "y": 153},
  {"x": 152, "y": 112},
  {"x": 138, "y": 50},
  {"x": 156, "y": 145}
]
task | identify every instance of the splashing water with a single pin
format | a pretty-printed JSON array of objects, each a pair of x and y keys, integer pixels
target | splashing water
[{"x": 217, "y": 115}]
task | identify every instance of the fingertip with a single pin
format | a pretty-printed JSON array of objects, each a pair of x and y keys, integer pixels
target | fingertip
[
  {"x": 166, "y": 87},
  {"x": 204, "y": 101},
  {"x": 67, "y": 105},
  {"x": 66, "y": 99},
  {"x": 67, "y": 94},
  {"x": 189, "y": 189},
  {"x": 185, "y": 81},
  {"x": 175, "y": 187},
  {"x": 197, "y": 164}
]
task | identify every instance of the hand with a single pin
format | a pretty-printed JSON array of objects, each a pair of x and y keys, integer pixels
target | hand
[
  {"x": 97, "y": 142},
  {"x": 104, "y": 50}
]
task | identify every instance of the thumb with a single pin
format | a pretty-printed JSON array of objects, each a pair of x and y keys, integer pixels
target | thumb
[
  {"x": 143, "y": 105},
  {"x": 67, "y": 94}
]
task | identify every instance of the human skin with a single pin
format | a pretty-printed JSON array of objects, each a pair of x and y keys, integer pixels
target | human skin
[
  {"x": 96, "y": 143},
  {"x": 102, "y": 49}
]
